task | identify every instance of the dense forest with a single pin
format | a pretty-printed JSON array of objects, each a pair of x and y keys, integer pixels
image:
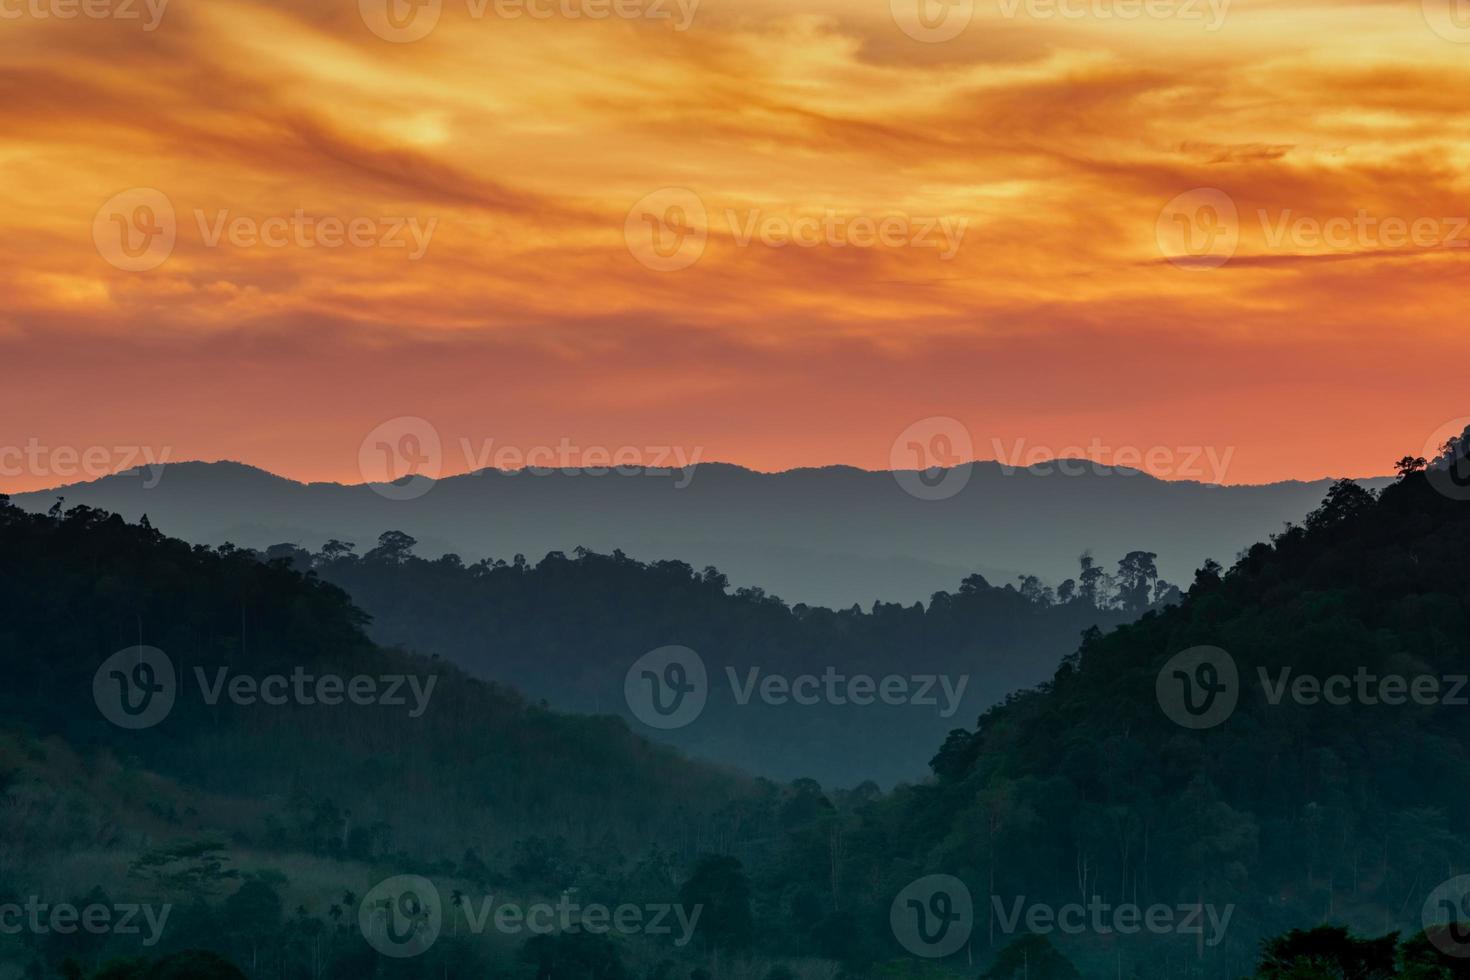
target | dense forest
[
  {"x": 565, "y": 629},
  {"x": 266, "y": 828}
]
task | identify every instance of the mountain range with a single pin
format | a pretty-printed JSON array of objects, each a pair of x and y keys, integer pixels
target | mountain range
[{"x": 832, "y": 536}]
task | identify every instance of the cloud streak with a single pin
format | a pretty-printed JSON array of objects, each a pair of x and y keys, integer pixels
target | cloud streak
[{"x": 1057, "y": 143}]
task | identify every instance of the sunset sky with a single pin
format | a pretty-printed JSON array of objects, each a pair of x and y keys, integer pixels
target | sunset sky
[{"x": 1069, "y": 147}]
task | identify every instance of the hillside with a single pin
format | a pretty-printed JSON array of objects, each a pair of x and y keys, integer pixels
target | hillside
[
  {"x": 1289, "y": 813},
  {"x": 569, "y": 628},
  {"x": 1082, "y": 793},
  {"x": 273, "y": 738},
  {"x": 79, "y": 588}
]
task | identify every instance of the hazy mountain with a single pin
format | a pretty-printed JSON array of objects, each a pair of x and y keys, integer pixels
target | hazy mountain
[
  {"x": 831, "y": 536},
  {"x": 569, "y": 629}
]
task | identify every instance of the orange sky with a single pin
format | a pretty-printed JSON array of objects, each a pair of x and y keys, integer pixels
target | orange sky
[{"x": 1078, "y": 300}]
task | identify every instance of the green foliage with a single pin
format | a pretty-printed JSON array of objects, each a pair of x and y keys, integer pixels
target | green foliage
[
  {"x": 721, "y": 891},
  {"x": 188, "y": 965},
  {"x": 1330, "y": 953},
  {"x": 1031, "y": 957},
  {"x": 528, "y": 625},
  {"x": 581, "y": 955},
  {"x": 476, "y": 769}
]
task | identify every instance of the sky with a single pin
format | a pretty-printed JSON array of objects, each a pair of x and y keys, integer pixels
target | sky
[{"x": 778, "y": 234}]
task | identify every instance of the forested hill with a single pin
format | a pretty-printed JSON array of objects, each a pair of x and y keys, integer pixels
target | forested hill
[
  {"x": 1295, "y": 812},
  {"x": 569, "y": 627},
  {"x": 427, "y": 763}
]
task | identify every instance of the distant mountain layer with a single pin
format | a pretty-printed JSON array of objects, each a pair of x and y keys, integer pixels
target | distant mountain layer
[{"x": 833, "y": 536}]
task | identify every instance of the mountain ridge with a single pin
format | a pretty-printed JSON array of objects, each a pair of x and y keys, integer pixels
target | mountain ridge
[{"x": 830, "y": 536}]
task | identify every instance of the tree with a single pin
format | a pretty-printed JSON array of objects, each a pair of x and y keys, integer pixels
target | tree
[
  {"x": 335, "y": 550},
  {"x": 1033, "y": 590},
  {"x": 254, "y": 914},
  {"x": 1344, "y": 501},
  {"x": 394, "y": 548},
  {"x": 1454, "y": 449},
  {"x": 1089, "y": 580},
  {"x": 579, "y": 955},
  {"x": 1328, "y": 952},
  {"x": 1031, "y": 957},
  {"x": 719, "y": 887},
  {"x": 191, "y": 964},
  {"x": 1208, "y": 574},
  {"x": 1137, "y": 573},
  {"x": 1420, "y": 959},
  {"x": 196, "y": 867}
]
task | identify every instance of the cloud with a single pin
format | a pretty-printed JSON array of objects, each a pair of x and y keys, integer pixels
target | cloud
[{"x": 1053, "y": 143}]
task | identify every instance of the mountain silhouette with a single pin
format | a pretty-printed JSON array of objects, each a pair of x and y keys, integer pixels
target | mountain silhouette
[{"x": 832, "y": 536}]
